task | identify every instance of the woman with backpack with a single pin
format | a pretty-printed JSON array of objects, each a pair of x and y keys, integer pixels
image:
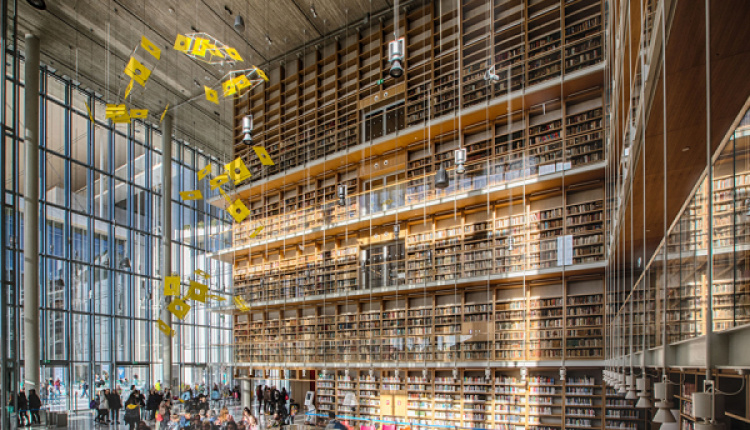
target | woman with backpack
[{"x": 133, "y": 410}]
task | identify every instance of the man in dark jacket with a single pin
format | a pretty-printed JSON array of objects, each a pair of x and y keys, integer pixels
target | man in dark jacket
[
  {"x": 115, "y": 404},
  {"x": 23, "y": 406},
  {"x": 259, "y": 398},
  {"x": 35, "y": 404},
  {"x": 152, "y": 404}
]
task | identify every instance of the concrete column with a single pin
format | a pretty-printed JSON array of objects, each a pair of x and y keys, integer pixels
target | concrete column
[
  {"x": 246, "y": 388},
  {"x": 31, "y": 290},
  {"x": 166, "y": 233}
]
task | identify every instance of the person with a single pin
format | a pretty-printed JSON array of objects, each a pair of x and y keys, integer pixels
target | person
[
  {"x": 35, "y": 404},
  {"x": 158, "y": 385},
  {"x": 174, "y": 423},
  {"x": 251, "y": 423},
  {"x": 185, "y": 420},
  {"x": 231, "y": 425},
  {"x": 333, "y": 423},
  {"x": 276, "y": 400},
  {"x": 224, "y": 417},
  {"x": 284, "y": 395},
  {"x": 23, "y": 406},
  {"x": 143, "y": 426},
  {"x": 132, "y": 410},
  {"x": 259, "y": 397},
  {"x": 211, "y": 416},
  {"x": 103, "y": 408},
  {"x": 215, "y": 394},
  {"x": 164, "y": 412},
  {"x": 142, "y": 403},
  {"x": 267, "y": 398},
  {"x": 84, "y": 388},
  {"x": 115, "y": 404},
  {"x": 152, "y": 404}
]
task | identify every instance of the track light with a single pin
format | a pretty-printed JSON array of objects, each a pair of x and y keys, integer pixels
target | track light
[
  {"x": 396, "y": 57},
  {"x": 342, "y": 194},
  {"x": 268, "y": 39},
  {"x": 247, "y": 129},
  {"x": 313, "y": 11},
  {"x": 459, "y": 155},
  {"x": 441, "y": 178},
  {"x": 37, "y": 4},
  {"x": 239, "y": 24}
]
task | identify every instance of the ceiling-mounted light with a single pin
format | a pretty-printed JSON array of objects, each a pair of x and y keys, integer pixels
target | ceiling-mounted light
[
  {"x": 268, "y": 39},
  {"x": 490, "y": 75},
  {"x": 37, "y": 4},
  {"x": 661, "y": 392},
  {"x": 247, "y": 129},
  {"x": 459, "y": 156},
  {"x": 642, "y": 385},
  {"x": 441, "y": 178},
  {"x": 342, "y": 194},
  {"x": 313, "y": 11},
  {"x": 630, "y": 390},
  {"x": 239, "y": 24},
  {"x": 396, "y": 57}
]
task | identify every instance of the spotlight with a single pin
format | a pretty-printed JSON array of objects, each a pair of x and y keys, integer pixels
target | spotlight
[
  {"x": 441, "y": 178},
  {"x": 342, "y": 194},
  {"x": 268, "y": 39},
  {"x": 247, "y": 130},
  {"x": 459, "y": 156},
  {"x": 396, "y": 57},
  {"x": 313, "y": 11},
  {"x": 490, "y": 75},
  {"x": 239, "y": 24},
  {"x": 37, "y": 4}
]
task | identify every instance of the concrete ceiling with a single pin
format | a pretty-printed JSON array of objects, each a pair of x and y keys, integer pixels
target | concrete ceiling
[{"x": 90, "y": 41}]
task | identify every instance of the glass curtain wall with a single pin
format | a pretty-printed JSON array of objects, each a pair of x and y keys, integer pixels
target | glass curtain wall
[
  {"x": 100, "y": 248},
  {"x": 680, "y": 264}
]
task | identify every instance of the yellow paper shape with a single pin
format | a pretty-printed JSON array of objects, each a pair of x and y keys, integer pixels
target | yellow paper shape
[
  {"x": 128, "y": 89},
  {"x": 182, "y": 43},
  {"x": 263, "y": 156},
  {"x": 229, "y": 88},
  {"x": 165, "y": 328},
  {"x": 241, "y": 304},
  {"x": 232, "y": 53},
  {"x": 261, "y": 74},
  {"x": 191, "y": 195},
  {"x": 171, "y": 285},
  {"x": 212, "y": 95},
  {"x": 215, "y": 297},
  {"x": 150, "y": 47},
  {"x": 163, "y": 114},
  {"x": 179, "y": 308},
  {"x": 238, "y": 210},
  {"x": 202, "y": 173},
  {"x": 88, "y": 109},
  {"x": 203, "y": 274},
  {"x": 197, "y": 292},
  {"x": 138, "y": 113},
  {"x": 225, "y": 195},
  {"x": 214, "y": 51},
  {"x": 113, "y": 111},
  {"x": 219, "y": 181},
  {"x": 121, "y": 119},
  {"x": 237, "y": 170},
  {"x": 257, "y": 230},
  {"x": 137, "y": 71},
  {"x": 200, "y": 45},
  {"x": 241, "y": 82}
]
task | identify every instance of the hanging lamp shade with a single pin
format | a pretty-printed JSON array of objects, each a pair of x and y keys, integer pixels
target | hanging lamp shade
[
  {"x": 441, "y": 178},
  {"x": 643, "y": 398},
  {"x": 664, "y": 414}
]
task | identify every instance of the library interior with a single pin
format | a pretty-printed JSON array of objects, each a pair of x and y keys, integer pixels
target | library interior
[{"x": 382, "y": 214}]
